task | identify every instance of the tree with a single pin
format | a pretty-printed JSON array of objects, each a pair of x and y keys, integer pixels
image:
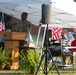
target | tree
[{"x": 6, "y": 19}]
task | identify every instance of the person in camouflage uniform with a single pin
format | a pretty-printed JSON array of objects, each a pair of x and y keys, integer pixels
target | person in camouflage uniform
[{"x": 25, "y": 25}]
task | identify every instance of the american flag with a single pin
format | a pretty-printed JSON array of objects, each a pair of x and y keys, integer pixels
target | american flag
[
  {"x": 2, "y": 27},
  {"x": 74, "y": 29},
  {"x": 2, "y": 24},
  {"x": 56, "y": 32}
]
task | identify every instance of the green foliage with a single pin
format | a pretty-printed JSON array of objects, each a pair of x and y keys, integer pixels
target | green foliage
[
  {"x": 7, "y": 25},
  {"x": 31, "y": 61},
  {"x": 6, "y": 19},
  {"x": 4, "y": 59}
]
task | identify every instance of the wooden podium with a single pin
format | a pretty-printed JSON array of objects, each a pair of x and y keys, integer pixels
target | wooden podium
[{"x": 11, "y": 43}]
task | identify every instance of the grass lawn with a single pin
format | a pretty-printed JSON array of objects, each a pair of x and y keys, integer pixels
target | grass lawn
[{"x": 52, "y": 72}]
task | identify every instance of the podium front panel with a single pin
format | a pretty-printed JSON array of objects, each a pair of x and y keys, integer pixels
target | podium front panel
[{"x": 12, "y": 35}]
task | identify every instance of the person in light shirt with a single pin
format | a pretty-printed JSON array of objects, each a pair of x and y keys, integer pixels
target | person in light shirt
[{"x": 64, "y": 37}]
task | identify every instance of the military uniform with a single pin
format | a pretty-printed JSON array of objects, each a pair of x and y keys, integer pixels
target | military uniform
[{"x": 25, "y": 26}]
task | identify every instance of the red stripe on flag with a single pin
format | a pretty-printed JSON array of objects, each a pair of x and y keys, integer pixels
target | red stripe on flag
[
  {"x": 56, "y": 32},
  {"x": 1, "y": 27}
]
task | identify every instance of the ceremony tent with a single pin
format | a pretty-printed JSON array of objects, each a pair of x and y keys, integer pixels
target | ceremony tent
[{"x": 63, "y": 12}]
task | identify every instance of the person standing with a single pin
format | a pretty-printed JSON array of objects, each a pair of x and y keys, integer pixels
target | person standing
[{"x": 25, "y": 26}]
